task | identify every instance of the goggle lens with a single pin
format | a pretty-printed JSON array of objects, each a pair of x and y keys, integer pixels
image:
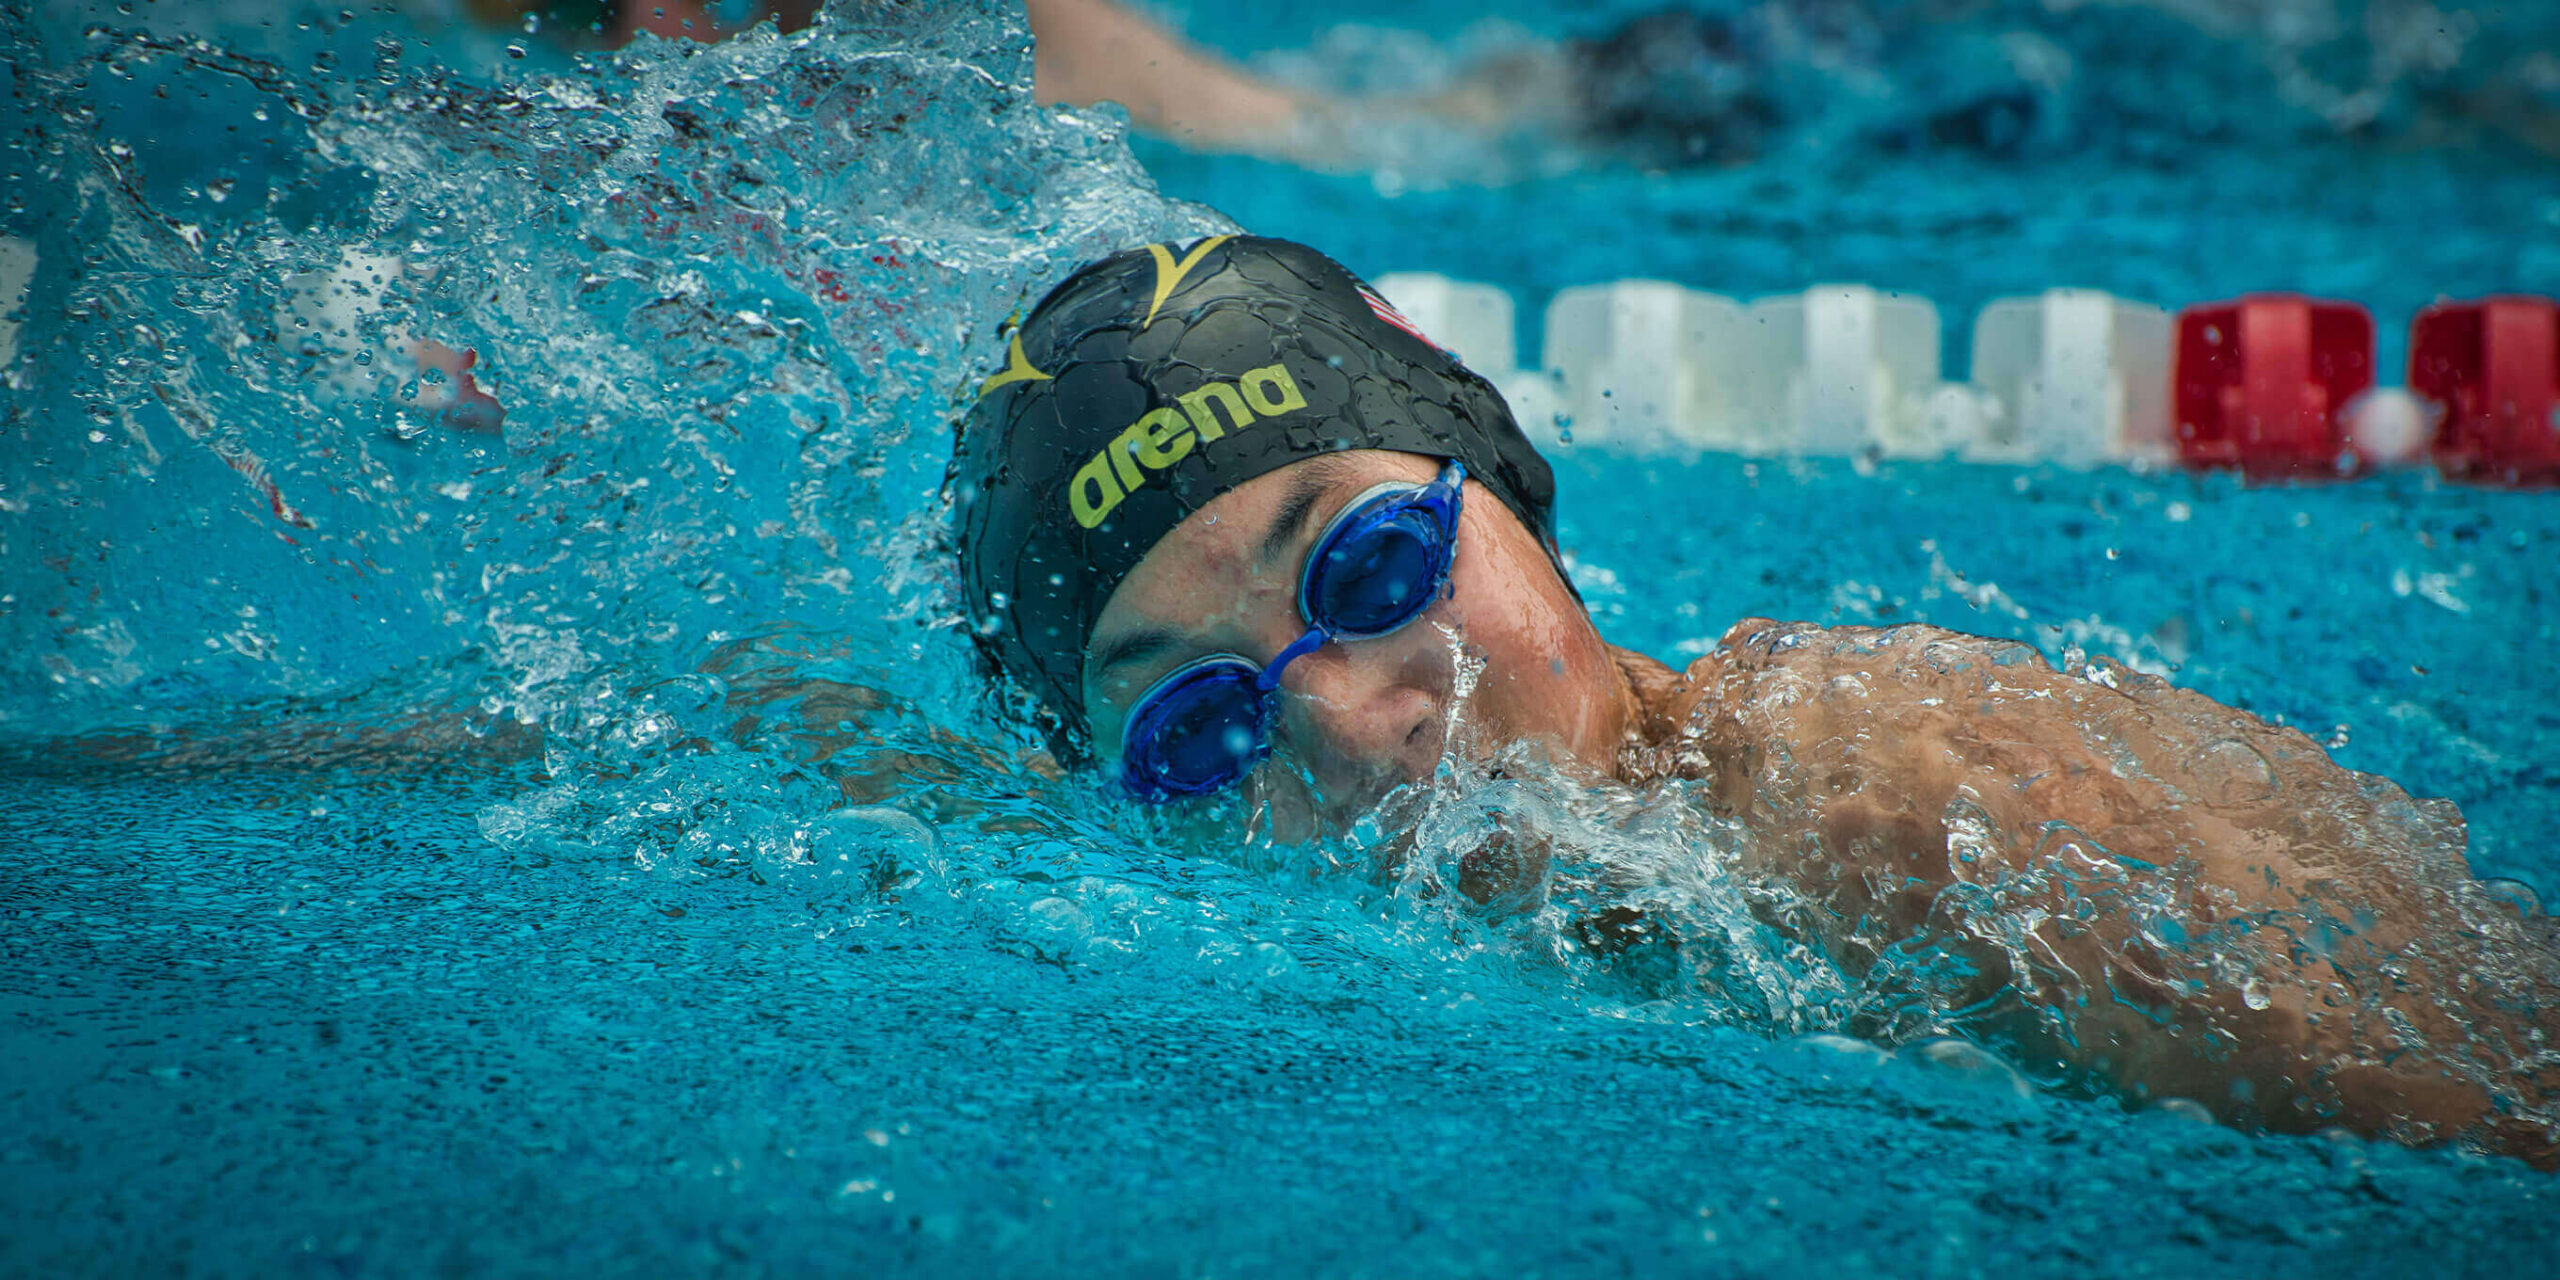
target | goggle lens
[
  {"x": 1198, "y": 731},
  {"x": 1379, "y": 577}
]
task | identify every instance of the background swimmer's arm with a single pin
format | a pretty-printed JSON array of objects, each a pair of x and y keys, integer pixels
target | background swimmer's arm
[
  {"x": 2159, "y": 893},
  {"x": 1089, "y": 51}
]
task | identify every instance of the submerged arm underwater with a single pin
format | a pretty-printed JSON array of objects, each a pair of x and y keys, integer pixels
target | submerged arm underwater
[{"x": 2130, "y": 886}]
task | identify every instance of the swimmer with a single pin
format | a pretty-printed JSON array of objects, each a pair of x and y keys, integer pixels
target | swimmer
[{"x": 1238, "y": 528}]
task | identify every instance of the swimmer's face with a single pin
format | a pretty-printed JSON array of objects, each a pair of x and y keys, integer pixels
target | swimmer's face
[{"x": 1360, "y": 717}]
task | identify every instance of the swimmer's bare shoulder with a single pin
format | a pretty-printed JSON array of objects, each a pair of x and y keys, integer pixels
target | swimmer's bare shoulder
[
  {"x": 2040, "y": 825},
  {"x": 1881, "y": 729}
]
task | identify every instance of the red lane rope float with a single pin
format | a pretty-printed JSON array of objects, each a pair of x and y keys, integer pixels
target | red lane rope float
[
  {"x": 2492, "y": 368},
  {"x": 2263, "y": 382}
]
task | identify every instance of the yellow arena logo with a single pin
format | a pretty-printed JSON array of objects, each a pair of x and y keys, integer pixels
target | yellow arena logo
[{"x": 1166, "y": 436}]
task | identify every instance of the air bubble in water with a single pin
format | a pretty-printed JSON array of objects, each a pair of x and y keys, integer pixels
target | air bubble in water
[
  {"x": 2515, "y": 895},
  {"x": 1830, "y": 1059},
  {"x": 2186, "y": 1110},
  {"x": 1965, "y": 1063},
  {"x": 879, "y": 847},
  {"x": 1057, "y": 926}
]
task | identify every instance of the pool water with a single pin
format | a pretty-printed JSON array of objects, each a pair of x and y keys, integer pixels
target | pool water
[
  {"x": 444, "y": 849},
  {"x": 321, "y": 1025}
]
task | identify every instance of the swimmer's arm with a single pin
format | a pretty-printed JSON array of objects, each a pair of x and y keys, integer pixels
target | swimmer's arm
[{"x": 1944, "y": 787}]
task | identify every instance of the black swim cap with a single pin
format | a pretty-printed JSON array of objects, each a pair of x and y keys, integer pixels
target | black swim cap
[{"x": 1160, "y": 377}]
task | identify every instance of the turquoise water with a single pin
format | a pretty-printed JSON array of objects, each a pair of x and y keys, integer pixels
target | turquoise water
[{"x": 451, "y": 851}]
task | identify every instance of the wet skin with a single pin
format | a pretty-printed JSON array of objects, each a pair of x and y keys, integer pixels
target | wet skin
[{"x": 1910, "y": 780}]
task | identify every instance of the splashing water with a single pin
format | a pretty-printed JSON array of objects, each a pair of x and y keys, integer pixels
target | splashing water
[{"x": 719, "y": 303}]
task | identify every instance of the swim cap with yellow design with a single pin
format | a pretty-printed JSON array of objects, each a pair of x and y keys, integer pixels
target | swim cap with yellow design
[{"x": 1158, "y": 378}]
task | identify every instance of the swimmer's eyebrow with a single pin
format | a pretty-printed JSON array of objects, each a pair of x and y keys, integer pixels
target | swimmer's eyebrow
[
  {"x": 1134, "y": 646},
  {"x": 1304, "y": 489}
]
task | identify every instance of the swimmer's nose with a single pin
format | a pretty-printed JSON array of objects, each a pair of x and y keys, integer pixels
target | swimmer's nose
[{"x": 1368, "y": 707}]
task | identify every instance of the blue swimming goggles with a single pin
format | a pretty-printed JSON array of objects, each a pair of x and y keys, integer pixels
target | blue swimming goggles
[{"x": 1378, "y": 564}]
